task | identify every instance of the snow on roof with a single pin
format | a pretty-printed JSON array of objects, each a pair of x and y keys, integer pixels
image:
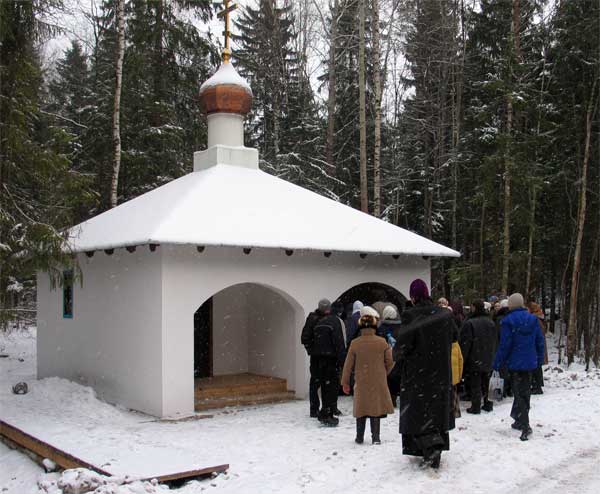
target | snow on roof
[
  {"x": 233, "y": 206},
  {"x": 225, "y": 75}
]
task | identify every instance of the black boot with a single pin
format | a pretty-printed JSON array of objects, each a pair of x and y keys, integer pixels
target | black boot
[
  {"x": 375, "y": 427},
  {"x": 329, "y": 421},
  {"x": 488, "y": 406},
  {"x": 526, "y": 432},
  {"x": 435, "y": 459},
  {"x": 361, "y": 423},
  {"x": 431, "y": 458},
  {"x": 327, "y": 418}
]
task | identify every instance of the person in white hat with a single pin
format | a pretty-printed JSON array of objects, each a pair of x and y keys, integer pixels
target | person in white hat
[{"x": 370, "y": 358}]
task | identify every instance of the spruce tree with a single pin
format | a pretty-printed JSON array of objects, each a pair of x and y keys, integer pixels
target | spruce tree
[
  {"x": 70, "y": 108},
  {"x": 36, "y": 186},
  {"x": 165, "y": 60},
  {"x": 284, "y": 124}
]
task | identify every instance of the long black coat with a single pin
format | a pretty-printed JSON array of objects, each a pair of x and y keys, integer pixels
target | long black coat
[
  {"x": 478, "y": 343},
  {"x": 423, "y": 348}
]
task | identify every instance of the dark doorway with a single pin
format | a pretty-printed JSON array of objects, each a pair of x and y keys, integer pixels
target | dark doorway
[
  {"x": 369, "y": 293},
  {"x": 203, "y": 323}
]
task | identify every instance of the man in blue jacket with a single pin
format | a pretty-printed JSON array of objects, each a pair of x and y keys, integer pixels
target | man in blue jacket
[{"x": 521, "y": 350}]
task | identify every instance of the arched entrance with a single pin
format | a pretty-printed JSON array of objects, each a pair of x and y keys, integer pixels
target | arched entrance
[
  {"x": 244, "y": 346},
  {"x": 369, "y": 294}
]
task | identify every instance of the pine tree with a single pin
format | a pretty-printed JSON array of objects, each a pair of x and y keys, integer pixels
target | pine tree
[
  {"x": 161, "y": 125},
  {"x": 346, "y": 154},
  {"x": 266, "y": 58},
  {"x": 70, "y": 108},
  {"x": 284, "y": 124},
  {"x": 501, "y": 105},
  {"x": 575, "y": 89},
  {"x": 428, "y": 52},
  {"x": 36, "y": 186}
]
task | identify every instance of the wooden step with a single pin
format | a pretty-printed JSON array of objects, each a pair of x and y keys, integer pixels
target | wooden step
[
  {"x": 238, "y": 385},
  {"x": 244, "y": 400}
]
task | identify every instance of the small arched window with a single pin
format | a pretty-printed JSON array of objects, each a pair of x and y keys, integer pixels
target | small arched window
[{"x": 68, "y": 294}]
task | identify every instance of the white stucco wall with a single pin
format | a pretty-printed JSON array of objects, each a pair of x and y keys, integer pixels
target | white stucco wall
[
  {"x": 254, "y": 331},
  {"x": 113, "y": 341},
  {"x": 132, "y": 337},
  {"x": 272, "y": 335},
  {"x": 190, "y": 278},
  {"x": 230, "y": 331}
]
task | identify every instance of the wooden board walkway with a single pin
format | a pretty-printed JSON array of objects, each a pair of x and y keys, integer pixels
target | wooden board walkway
[{"x": 65, "y": 460}]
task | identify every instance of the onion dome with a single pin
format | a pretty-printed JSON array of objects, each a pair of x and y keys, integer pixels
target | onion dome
[{"x": 225, "y": 92}]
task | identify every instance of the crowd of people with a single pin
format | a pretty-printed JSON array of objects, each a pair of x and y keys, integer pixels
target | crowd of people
[{"x": 424, "y": 359}]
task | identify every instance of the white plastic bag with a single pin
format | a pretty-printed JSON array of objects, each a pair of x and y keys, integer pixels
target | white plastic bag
[{"x": 496, "y": 387}]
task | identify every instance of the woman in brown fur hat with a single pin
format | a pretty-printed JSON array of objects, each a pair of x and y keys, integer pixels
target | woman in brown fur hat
[{"x": 370, "y": 357}]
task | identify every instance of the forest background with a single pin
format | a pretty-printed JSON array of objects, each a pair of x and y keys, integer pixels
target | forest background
[{"x": 472, "y": 122}]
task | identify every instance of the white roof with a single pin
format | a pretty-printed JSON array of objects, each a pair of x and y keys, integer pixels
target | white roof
[{"x": 233, "y": 206}]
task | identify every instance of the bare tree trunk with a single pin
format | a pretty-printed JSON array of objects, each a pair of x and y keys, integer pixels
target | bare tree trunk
[
  {"x": 597, "y": 318},
  {"x": 364, "y": 191},
  {"x": 457, "y": 115},
  {"x": 483, "y": 284},
  {"x": 331, "y": 96},
  {"x": 553, "y": 297},
  {"x": 116, "y": 127},
  {"x": 516, "y": 29},
  {"x": 531, "y": 237},
  {"x": 158, "y": 70},
  {"x": 276, "y": 129},
  {"x": 378, "y": 90},
  {"x": 507, "y": 203},
  {"x": 534, "y": 191},
  {"x": 572, "y": 329},
  {"x": 597, "y": 313}
]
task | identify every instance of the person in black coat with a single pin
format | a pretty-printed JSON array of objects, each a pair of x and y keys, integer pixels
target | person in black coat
[
  {"x": 478, "y": 343},
  {"x": 327, "y": 351},
  {"x": 307, "y": 339},
  {"x": 423, "y": 351}
]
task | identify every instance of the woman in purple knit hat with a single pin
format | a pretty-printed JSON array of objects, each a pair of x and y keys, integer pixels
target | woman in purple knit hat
[{"x": 423, "y": 351}]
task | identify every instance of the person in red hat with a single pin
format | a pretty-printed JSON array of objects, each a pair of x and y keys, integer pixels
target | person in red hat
[{"x": 423, "y": 351}]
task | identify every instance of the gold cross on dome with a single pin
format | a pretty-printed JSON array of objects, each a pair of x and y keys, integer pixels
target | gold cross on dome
[{"x": 225, "y": 13}]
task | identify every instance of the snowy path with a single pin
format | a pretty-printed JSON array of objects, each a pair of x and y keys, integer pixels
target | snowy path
[
  {"x": 278, "y": 448},
  {"x": 579, "y": 473}
]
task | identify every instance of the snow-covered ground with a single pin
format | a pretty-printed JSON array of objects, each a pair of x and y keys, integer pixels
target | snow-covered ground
[{"x": 278, "y": 448}]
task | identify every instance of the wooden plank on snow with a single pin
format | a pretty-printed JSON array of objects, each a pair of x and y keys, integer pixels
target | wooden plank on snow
[
  {"x": 190, "y": 474},
  {"x": 66, "y": 460},
  {"x": 45, "y": 450}
]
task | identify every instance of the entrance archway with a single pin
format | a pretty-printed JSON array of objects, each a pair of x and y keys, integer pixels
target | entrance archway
[
  {"x": 369, "y": 293},
  {"x": 244, "y": 339}
]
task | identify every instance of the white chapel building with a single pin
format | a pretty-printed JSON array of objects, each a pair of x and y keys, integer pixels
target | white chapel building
[{"x": 213, "y": 274}]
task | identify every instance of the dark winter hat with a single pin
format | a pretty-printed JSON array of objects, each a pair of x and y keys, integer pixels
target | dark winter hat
[
  {"x": 418, "y": 290},
  {"x": 324, "y": 305},
  {"x": 479, "y": 306},
  {"x": 338, "y": 308}
]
